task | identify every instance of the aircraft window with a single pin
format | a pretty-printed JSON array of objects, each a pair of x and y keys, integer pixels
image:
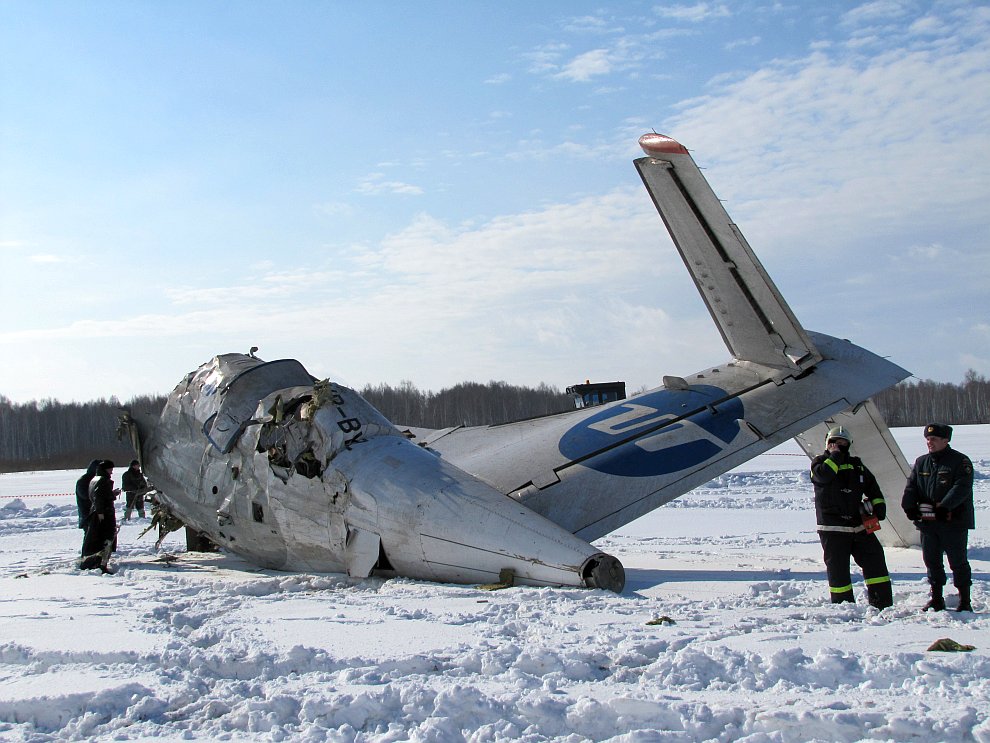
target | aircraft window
[
  {"x": 258, "y": 512},
  {"x": 241, "y": 395}
]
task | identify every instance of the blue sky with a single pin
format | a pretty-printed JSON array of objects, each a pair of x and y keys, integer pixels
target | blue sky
[{"x": 444, "y": 191}]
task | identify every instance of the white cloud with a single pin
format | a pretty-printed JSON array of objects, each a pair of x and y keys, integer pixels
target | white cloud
[
  {"x": 46, "y": 258},
  {"x": 621, "y": 52},
  {"x": 693, "y": 13},
  {"x": 555, "y": 245},
  {"x": 499, "y": 79},
  {"x": 585, "y": 66},
  {"x": 929, "y": 25},
  {"x": 873, "y": 12},
  {"x": 375, "y": 183},
  {"x": 868, "y": 136},
  {"x": 574, "y": 275},
  {"x": 586, "y": 24},
  {"x": 544, "y": 59},
  {"x": 739, "y": 43},
  {"x": 925, "y": 252},
  {"x": 608, "y": 89},
  {"x": 873, "y": 165}
]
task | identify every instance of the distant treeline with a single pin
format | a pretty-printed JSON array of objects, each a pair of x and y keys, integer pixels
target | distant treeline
[
  {"x": 53, "y": 435},
  {"x": 467, "y": 403},
  {"x": 917, "y": 403}
]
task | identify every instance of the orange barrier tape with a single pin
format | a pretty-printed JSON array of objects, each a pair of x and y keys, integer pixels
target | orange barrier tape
[{"x": 39, "y": 495}]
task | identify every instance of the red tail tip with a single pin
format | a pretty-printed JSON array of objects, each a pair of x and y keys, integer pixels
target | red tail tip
[{"x": 656, "y": 144}]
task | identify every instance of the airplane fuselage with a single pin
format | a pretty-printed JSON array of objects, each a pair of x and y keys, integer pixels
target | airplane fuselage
[{"x": 303, "y": 475}]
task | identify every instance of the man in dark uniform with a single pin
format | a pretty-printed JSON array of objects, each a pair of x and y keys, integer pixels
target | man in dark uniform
[
  {"x": 938, "y": 498},
  {"x": 102, "y": 528},
  {"x": 134, "y": 486},
  {"x": 845, "y": 490}
]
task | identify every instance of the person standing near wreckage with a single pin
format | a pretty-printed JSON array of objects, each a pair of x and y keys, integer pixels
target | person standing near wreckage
[
  {"x": 83, "y": 504},
  {"x": 134, "y": 486},
  {"x": 938, "y": 498},
  {"x": 846, "y": 497},
  {"x": 101, "y": 532}
]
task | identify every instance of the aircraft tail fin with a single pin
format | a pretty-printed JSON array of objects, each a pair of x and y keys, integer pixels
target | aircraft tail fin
[
  {"x": 875, "y": 445},
  {"x": 752, "y": 316}
]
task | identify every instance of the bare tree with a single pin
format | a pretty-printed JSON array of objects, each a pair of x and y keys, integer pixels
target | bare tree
[{"x": 48, "y": 434}]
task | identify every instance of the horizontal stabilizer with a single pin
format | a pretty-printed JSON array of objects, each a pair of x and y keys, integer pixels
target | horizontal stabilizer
[
  {"x": 874, "y": 444},
  {"x": 752, "y": 316}
]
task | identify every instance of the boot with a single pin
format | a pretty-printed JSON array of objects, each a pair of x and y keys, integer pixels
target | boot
[
  {"x": 936, "y": 603},
  {"x": 880, "y": 598},
  {"x": 841, "y": 598},
  {"x": 880, "y": 595},
  {"x": 964, "y": 602},
  {"x": 127, "y": 514}
]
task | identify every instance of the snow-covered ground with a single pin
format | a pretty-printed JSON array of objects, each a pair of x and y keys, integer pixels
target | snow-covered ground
[{"x": 208, "y": 647}]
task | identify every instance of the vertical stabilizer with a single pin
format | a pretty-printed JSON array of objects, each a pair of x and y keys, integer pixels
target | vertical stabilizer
[{"x": 752, "y": 316}]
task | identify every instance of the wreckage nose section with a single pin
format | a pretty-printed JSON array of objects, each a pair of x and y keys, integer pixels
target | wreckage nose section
[
  {"x": 496, "y": 544},
  {"x": 496, "y": 539},
  {"x": 440, "y": 523}
]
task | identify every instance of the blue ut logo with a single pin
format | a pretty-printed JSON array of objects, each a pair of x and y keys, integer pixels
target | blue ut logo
[{"x": 654, "y": 448}]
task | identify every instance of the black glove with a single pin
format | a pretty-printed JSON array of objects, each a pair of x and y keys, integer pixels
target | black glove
[
  {"x": 942, "y": 514},
  {"x": 913, "y": 513},
  {"x": 880, "y": 510}
]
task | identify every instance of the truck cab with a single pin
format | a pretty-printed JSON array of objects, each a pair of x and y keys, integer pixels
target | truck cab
[{"x": 589, "y": 394}]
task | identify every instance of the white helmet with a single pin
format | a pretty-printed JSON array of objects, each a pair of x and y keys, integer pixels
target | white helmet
[{"x": 838, "y": 432}]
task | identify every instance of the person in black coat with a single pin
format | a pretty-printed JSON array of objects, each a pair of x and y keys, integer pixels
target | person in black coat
[
  {"x": 845, "y": 490},
  {"x": 938, "y": 498},
  {"x": 83, "y": 503},
  {"x": 102, "y": 527}
]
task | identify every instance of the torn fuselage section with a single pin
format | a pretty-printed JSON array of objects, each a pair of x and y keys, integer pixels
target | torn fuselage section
[{"x": 297, "y": 474}]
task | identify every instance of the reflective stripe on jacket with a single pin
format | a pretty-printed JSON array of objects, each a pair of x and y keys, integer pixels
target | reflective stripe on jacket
[{"x": 839, "y": 489}]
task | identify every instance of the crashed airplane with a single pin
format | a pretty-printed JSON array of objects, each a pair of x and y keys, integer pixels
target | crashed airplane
[{"x": 298, "y": 474}]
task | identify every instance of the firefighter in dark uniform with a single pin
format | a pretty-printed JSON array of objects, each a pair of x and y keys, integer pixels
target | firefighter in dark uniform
[
  {"x": 938, "y": 498},
  {"x": 845, "y": 491}
]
